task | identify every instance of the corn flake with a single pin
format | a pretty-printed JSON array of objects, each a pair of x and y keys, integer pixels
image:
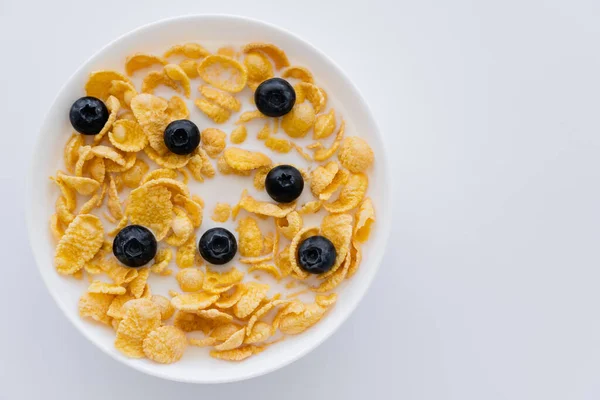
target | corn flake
[
  {"x": 248, "y": 116},
  {"x": 189, "y": 322},
  {"x": 190, "y": 279},
  {"x": 151, "y": 206},
  {"x": 231, "y": 297},
  {"x": 310, "y": 208},
  {"x": 80, "y": 243},
  {"x": 186, "y": 253},
  {"x": 278, "y": 145},
  {"x": 255, "y": 292},
  {"x": 290, "y": 225},
  {"x": 176, "y": 73},
  {"x": 239, "y": 354},
  {"x": 322, "y": 176},
  {"x": 138, "y": 61},
  {"x": 161, "y": 260},
  {"x": 165, "y": 344},
  {"x": 223, "y": 73},
  {"x": 166, "y": 308},
  {"x": 233, "y": 342},
  {"x": 99, "y": 82},
  {"x": 223, "y": 99},
  {"x": 324, "y": 125},
  {"x": 138, "y": 285},
  {"x": 116, "y": 309},
  {"x": 215, "y": 282},
  {"x": 351, "y": 194},
  {"x": 300, "y": 73},
  {"x": 338, "y": 229},
  {"x": 106, "y": 288},
  {"x": 189, "y": 50},
  {"x": 192, "y": 302},
  {"x": 312, "y": 93},
  {"x": 95, "y": 306},
  {"x": 299, "y": 120},
  {"x": 258, "y": 66},
  {"x": 83, "y": 186},
  {"x": 190, "y": 67},
  {"x": 275, "y": 53},
  {"x": 238, "y": 135},
  {"x": 221, "y": 212},
  {"x": 268, "y": 268},
  {"x": 124, "y": 92},
  {"x": 150, "y": 112},
  {"x": 113, "y": 105},
  {"x": 252, "y": 205},
  {"x": 71, "y": 152},
  {"x": 212, "y": 110},
  {"x": 322, "y": 154},
  {"x": 141, "y": 318},
  {"x": 245, "y": 160},
  {"x": 155, "y": 79},
  {"x": 177, "y": 109},
  {"x": 213, "y": 141}
]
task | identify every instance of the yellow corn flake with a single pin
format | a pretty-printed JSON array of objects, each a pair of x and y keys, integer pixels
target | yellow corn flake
[
  {"x": 195, "y": 167},
  {"x": 127, "y": 115},
  {"x": 338, "y": 229},
  {"x": 207, "y": 168},
  {"x": 190, "y": 67},
  {"x": 69, "y": 195},
  {"x": 90, "y": 205},
  {"x": 124, "y": 92},
  {"x": 114, "y": 203},
  {"x": 133, "y": 176},
  {"x": 204, "y": 342},
  {"x": 155, "y": 79},
  {"x": 127, "y": 136},
  {"x": 189, "y": 322},
  {"x": 113, "y": 105},
  {"x": 231, "y": 297},
  {"x": 258, "y": 66},
  {"x": 301, "y": 73},
  {"x": 106, "y": 288},
  {"x": 56, "y": 227},
  {"x": 138, "y": 61},
  {"x": 95, "y": 306},
  {"x": 85, "y": 154},
  {"x": 239, "y": 354},
  {"x": 268, "y": 243},
  {"x": 248, "y": 116},
  {"x": 340, "y": 178},
  {"x": 191, "y": 302},
  {"x": 293, "y": 324},
  {"x": 165, "y": 345},
  {"x": 356, "y": 256},
  {"x": 322, "y": 154},
  {"x": 84, "y": 186},
  {"x": 233, "y": 342},
  {"x": 80, "y": 243},
  {"x": 265, "y": 132},
  {"x": 96, "y": 168},
  {"x": 301, "y": 152},
  {"x": 186, "y": 253},
  {"x": 262, "y": 311},
  {"x": 64, "y": 215},
  {"x": 356, "y": 154},
  {"x": 334, "y": 278},
  {"x": 311, "y": 207},
  {"x": 322, "y": 176},
  {"x": 189, "y": 50},
  {"x": 290, "y": 225},
  {"x": 71, "y": 152},
  {"x": 176, "y": 73},
  {"x": 111, "y": 166},
  {"x": 182, "y": 228},
  {"x": 116, "y": 309},
  {"x": 299, "y": 121},
  {"x": 268, "y": 268},
  {"x": 221, "y": 212},
  {"x": 99, "y": 82},
  {"x": 278, "y": 145},
  {"x": 117, "y": 272},
  {"x": 324, "y": 125},
  {"x": 238, "y": 135},
  {"x": 257, "y": 260},
  {"x": 215, "y": 316},
  {"x": 161, "y": 260},
  {"x": 223, "y": 73},
  {"x": 312, "y": 93},
  {"x": 177, "y": 109},
  {"x": 227, "y": 51},
  {"x": 223, "y": 332},
  {"x": 250, "y": 238},
  {"x": 151, "y": 206},
  {"x": 245, "y": 160},
  {"x": 190, "y": 279},
  {"x": 260, "y": 332},
  {"x": 293, "y": 262},
  {"x": 326, "y": 300},
  {"x": 109, "y": 153},
  {"x": 141, "y": 318},
  {"x": 253, "y": 295},
  {"x": 215, "y": 282},
  {"x": 260, "y": 176},
  {"x": 166, "y": 308},
  {"x": 275, "y": 53},
  {"x": 252, "y": 205},
  {"x": 169, "y": 160},
  {"x": 365, "y": 217},
  {"x": 213, "y": 141},
  {"x": 351, "y": 194},
  {"x": 192, "y": 208},
  {"x": 159, "y": 173},
  {"x": 150, "y": 112},
  {"x": 137, "y": 286},
  {"x": 223, "y": 99},
  {"x": 214, "y": 111}
]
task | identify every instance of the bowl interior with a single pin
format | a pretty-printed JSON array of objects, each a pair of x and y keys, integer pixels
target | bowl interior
[{"x": 212, "y": 31}]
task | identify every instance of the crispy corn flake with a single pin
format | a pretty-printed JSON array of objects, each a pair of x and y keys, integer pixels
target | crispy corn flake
[
  {"x": 356, "y": 256},
  {"x": 68, "y": 194},
  {"x": 275, "y": 53},
  {"x": 293, "y": 324},
  {"x": 195, "y": 167},
  {"x": 124, "y": 92},
  {"x": 312, "y": 93},
  {"x": 85, "y": 154},
  {"x": 322, "y": 154},
  {"x": 265, "y": 132},
  {"x": 189, "y": 50},
  {"x": 177, "y": 109},
  {"x": 250, "y": 238},
  {"x": 351, "y": 194},
  {"x": 161, "y": 260},
  {"x": 227, "y": 51},
  {"x": 223, "y": 99},
  {"x": 365, "y": 217},
  {"x": 278, "y": 145},
  {"x": 262, "y": 311},
  {"x": 255, "y": 292},
  {"x": 114, "y": 202},
  {"x": 182, "y": 228},
  {"x": 338, "y": 229},
  {"x": 300, "y": 73},
  {"x": 137, "y": 286},
  {"x": 176, "y": 73},
  {"x": 99, "y": 82},
  {"x": 324, "y": 125},
  {"x": 64, "y": 215},
  {"x": 155, "y": 79},
  {"x": 322, "y": 176},
  {"x": 117, "y": 272},
  {"x": 268, "y": 268},
  {"x": 334, "y": 278},
  {"x": 252, "y": 205},
  {"x": 166, "y": 308},
  {"x": 106, "y": 288},
  {"x": 159, "y": 173},
  {"x": 299, "y": 121},
  {"x": 186, "y": 253},
  {"x": 71, "y": 152},
  {"x": 213, "y": 141},
  {"x": 116, "y": 309},
  {"x": 248, "y": 116},
  {"x": 141, "y": 318},
  {"x": 223, "y": 332},
  {"x": 190, "y": 279},
  {"x": 96, "y": 168},
  {"x": 223, "y": 73},
  {"x": 207, "y": 168},
  {"x": 165, "y": 344},
  {"x": 215, "y": 282},
  {"x": 260, "y": 176},
  {"x": 190, "y": 67},
  {"x": 260, "y": 332},
  {"x": 204, "y": 342},
  {"x": 190, "y": 322},
  {"x": 192, "y": 302},
  {"x": 138, "y": 61},
  {"x": 80, "y": 243},
  {"x": 95, "y": 306},
  {"x": 326, "y": 300},
  {"x": 212, "y": 110},
  {"x": 256, "y": 260},
  {"x": 239, "y": 354},
  {"x": 150, "y": 112},
  {"x": 133, "y": 176},
  {"x": 193, "y": 209},
  {"x": 300, "y": 236},
  {"x": 245, "y": 160},
  {"x": 258, "y": 66},
  {"x": 229, "y": 298},
  {"x": 83, "y": 186},
  {"x": 169, "y": 160},
  {"x": 215, "y": 316},
  {"x": 221, "y": 212},
  {"x": 127, "y": 136},
  {"x": 151, "y": 206},
  {"x": 290, "y": 225},
  {"x": 238, "y": 135},
  {"x": 113, "y": 105},
  {"x": 340, "y": 178},
  {"x": 268, "y": 243},
  {"x": 111, "y": 166},
  {"x": 234, "y": 341},
  {"x": 122, "y": 224},
  {"x": 56, "y": 227},
  {"x": 301, "y": 152},
  {"x": 356, "y": 154},
  {"x": 310, "y": 208}
]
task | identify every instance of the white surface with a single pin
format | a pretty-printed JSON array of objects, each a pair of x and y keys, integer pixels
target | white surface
[
  {"x": 490, "y": 288},
  {"x": 196, "y": 365}
]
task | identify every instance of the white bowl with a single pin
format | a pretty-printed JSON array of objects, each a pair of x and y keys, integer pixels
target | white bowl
[{"x": 196, "y": 366}]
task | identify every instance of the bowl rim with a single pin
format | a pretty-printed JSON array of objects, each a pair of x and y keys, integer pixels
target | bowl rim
[{"x": 384, "y": 223}]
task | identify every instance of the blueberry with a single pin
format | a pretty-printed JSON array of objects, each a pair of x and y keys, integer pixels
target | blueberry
[
  {"x": 275, "y": 97},
  {"x": 88, "y": 115},
  {"x": 134, "y": 246},
  {"x": 217, "y": 246},
  {"x": 284, "y": 183},
  {"x": 182, "y": 136},
  {"x": 316, "y": 254}
]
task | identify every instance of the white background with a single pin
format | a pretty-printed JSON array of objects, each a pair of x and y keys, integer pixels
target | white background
[{"x": 490, "y": 287}]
